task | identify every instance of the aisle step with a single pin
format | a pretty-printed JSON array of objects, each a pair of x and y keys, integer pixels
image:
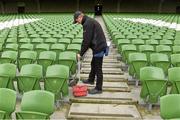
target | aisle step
[
  {"x": 111, "y": 86},
  {"x": 103, "y": 111},
  {"x": 108, "y": 78},
  {"x": 105, "y": 71},
  {"x": 106, "y": 97}
]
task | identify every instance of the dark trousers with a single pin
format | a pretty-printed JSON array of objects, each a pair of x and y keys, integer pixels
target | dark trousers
[{"x": 96, "y": 70}]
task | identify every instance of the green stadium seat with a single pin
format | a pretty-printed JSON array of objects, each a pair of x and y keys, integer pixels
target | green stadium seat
[
  {"x": 8, "y": 57},
  {"x": 169, "y": 107},
  {"x": 29, "y": 77},
  {"x": 36, "y": 104},
  {"x": 174, "y": 78},
  {"x": 160, "y": 60},
  {"x": 7, "y": 103},
  {"x": 154, "y": 84},
  {"x": 45, "y": 59},
  {"x": 69, "y": 59},
  {"x": 56, "y": 80},
  {"x": 26, "y": 57},
  {"x": 7, "y": 75}
]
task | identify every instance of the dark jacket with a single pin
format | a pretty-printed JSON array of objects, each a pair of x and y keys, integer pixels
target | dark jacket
[{"x": 93, "y": 36}]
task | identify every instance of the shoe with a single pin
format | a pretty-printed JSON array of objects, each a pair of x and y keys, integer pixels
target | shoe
[
  {"x": 94, "y": 91},
  {"x": 87, "y": 82}
]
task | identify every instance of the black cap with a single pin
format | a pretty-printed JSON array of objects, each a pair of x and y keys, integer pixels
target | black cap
[{"x": 76, "y": 15}]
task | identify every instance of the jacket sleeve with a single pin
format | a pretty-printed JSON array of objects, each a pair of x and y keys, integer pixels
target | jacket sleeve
[{"x": 87, "y": 38}]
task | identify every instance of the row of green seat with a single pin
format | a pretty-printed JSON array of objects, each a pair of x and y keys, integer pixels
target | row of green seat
[{"x": 36, "y": 104}]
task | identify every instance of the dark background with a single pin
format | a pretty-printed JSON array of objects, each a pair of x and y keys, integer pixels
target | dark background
[{"x": 41, "y": 6}]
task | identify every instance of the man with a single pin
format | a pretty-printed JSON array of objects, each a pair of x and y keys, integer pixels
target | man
[{"x": 94, "y": 38}]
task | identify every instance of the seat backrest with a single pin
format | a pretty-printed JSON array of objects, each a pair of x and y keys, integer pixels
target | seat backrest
[
  {"x": 170, "y": 106},
  {"x": 175, "y": 58},
  {"x": 67, "y": 55},
  {"x": 74, "y": 46},
  {"x": 37, "y": 40},
  {"x": 42, "y": 46},
  {"x": 26, "y": 46},
  {"x": 161, "y": 48},
  {"x": 58, "y": 47},
  {"x": 47, "y": 55},
  {"x": 151, "y": 73},
  {"x": 128, "y": 47},
  {"x": 38, "y": 101},
  {"x": 144, "y": 48},
  {"x": 9, "y": 54},
  {"x": 174, "y": 74},
  {"x": 158, "y": 57},
  {"x": 8, "y": 69},
  {"x": 137, "y": 57},
  {"x": 176, "y": 49},
  {"x": 57, "y": 71},
  {"x": 34, "y": 70},
  {"x": 7, "y": 100},
  {"x": 28, "y": 54}
]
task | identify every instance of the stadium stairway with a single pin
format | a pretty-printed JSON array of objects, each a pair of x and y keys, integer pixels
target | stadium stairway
[{"x": 116, "y": 101}]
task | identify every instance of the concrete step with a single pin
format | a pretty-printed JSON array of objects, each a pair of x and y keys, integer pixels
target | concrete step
[
  {"x": 105, "y": 65},
  {"x": 105, "y": 70},
  {"x": 104, "y": 61},
  {"x": 106, "y": 98},
  {"x": 103, "y": 111},
  {"x": 111, "y": 86},
  {"x": 108, "y": 78}
]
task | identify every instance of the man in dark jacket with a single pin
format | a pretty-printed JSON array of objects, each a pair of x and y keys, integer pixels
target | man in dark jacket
[{"x": 94, "y": 38}]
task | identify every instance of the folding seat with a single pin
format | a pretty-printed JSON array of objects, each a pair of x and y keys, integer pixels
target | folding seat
[
  {"x": 7, "y": 103},
  {"x": 168, "y": 37},
  {"x": 122, "y": 42},
  {"x": 154, "y": 84},
  {"x": 131, "y": 37},
  {"x": 147, "y": 49},
  {"x": 156, "y": 37},
  {"x": 136, "y": 61},
  {"x": 160, "y": 60},
  {"x": 69, "y": 59},
  {"x": 8, "y": 57},
  {"x": 126, "y": 50},
  {"x": 170, "y": 107},
  {"x": 29, "y": 77},
  {"x": 164, "y": 49},
  {"x": 177, "y": 43},
  {"x": 79, "y": 36},
  {"x": 45, "y": 36},
  {"x": 65, "y": 41},
  {"x": 166, "y": 42},
  {"x": 77, "y": 41},
  {"x": 36, "y": 41},
  {"x": 175, "y": 49},
  {"x": 58, "y": 48},
  {"x": 24, "y": 41},
  {"x": 138, "y": 42},
  {"x": 74, "y": 47},
  {"x": 7, "y": 75},
  {"x": 25, "y": 47},
  {"x": 56, "y": 80},
  {"x": 144, "y": 37},
  {"x": 50, "y": 41},
  {"x": 32, "y": 36},
  {"x": 11, "y": 40},
  {"x": 26, "y": 57},
  {"x": 12, "y": 47},
  {"x": 41, "y": 47},
  {"x": 36, "y": 104},
  {"x": 117, "y": 37},
  {"x": 174, "y": 78},
  {"x": 69, "y": 36},
  {"x": 154, "y": 43},
  {"x": 46, "y": 58},
  {"x": 58, "y": 36}
]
